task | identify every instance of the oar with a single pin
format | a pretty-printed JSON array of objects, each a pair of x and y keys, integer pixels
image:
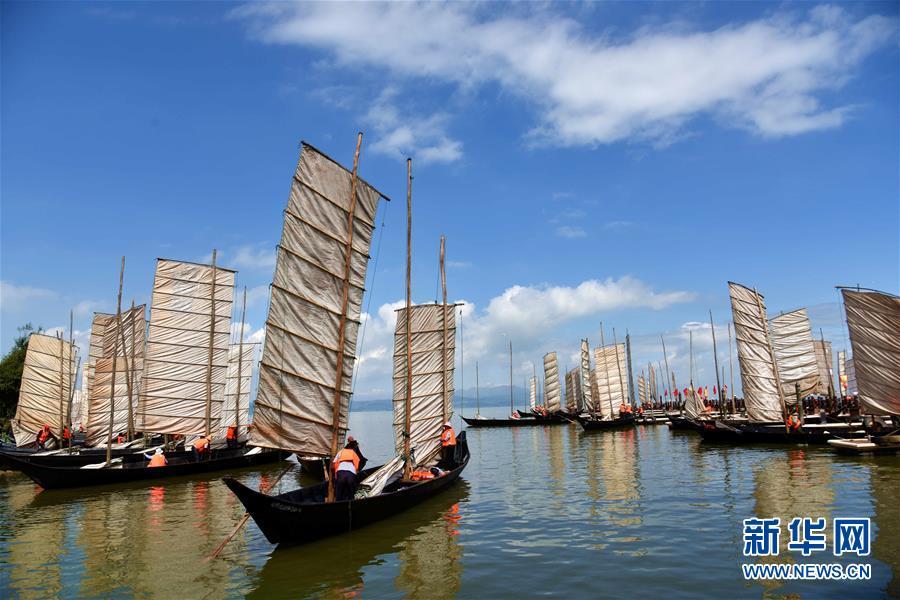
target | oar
[{"x": 245, "y": 518}]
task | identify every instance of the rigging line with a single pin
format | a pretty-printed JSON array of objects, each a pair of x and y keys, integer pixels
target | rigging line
[{"x": 362, "y": 334}]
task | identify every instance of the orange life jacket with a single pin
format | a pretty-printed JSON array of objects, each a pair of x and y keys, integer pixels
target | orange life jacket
[
  {"x": 793, "y": 423},
  {"x": 421, "y": 475},
  {"x": 448, "y": 438},
  {"x": 67, "y": 435},
  {"x": 44, "y": 435},
  {"x": 201, "y": 444},
  {"x": 121, "y": 439},
  {"x": 346, "y": 455},
  {"x": 158, "y": 460},
  {"x": 231, "y": 433}
]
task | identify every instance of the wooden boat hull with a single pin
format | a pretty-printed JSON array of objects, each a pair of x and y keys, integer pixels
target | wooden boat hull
[
  {"x": 134, "y": 468},
  {"x": 79, "y": 459},
  {"x": 598, "y": 425},
  {"x": 741, "y": 434},
  {"x": 524, "y": 422},
  {"x": 302, "y": 516}
]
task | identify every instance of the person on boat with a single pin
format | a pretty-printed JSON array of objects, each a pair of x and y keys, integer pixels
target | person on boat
[
  {"x": 793, "y": 422},
  {"x": 346, "y": 466},
  {"x": 67, "y": 437},
  {"x": 157, "y": 459},
  {"x": 44, "y": 435},
  {"x": 231, "y": 436},
  {"x": 120, "y": 438},
  {"x": 201, "y": 447},
  {"x": 448, "y": 446}
]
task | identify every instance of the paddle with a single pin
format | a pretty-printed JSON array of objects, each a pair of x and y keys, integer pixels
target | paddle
[{"x": 245, "y": 518}]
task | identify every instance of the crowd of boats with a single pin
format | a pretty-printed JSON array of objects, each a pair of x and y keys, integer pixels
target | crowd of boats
[{"x": 179, "y": 384}]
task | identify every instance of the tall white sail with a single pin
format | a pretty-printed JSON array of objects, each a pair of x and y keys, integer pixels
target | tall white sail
[
  {"x": 642, "y": 389},
  {"x": 187, "y": 348},
  {"x": 842, "y": 372},
  {"x": 532, "y": 393},
  {"x": 573, "y": 390},
  {"x": 693, "y": 405},
  {"x": 587, "y": 400},
  {"x": 432, "y": 360},
  {"x": 795, "y": 354},
  {"x": 873, "y": 319},
  {"x": 48, "y": 377},
  {"x": 552, "y": 399},
  {"x": 758, "y": 377},
  {"x": 852, "y": 387},
  {"x": 129, "y": 371},
  {"x": 301, "y": 399},
  {"x": 238, "y": 377},
  {"x": 823, "y": 362},
  {"x": 612, "y": 383},
  {"x": 651, "y": 383}
]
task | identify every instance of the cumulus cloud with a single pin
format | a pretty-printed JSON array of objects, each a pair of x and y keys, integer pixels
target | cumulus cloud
[
  {"x": 258, "y": 257},
  {"x": 402, "y": 134},
  {"x": 570, "y": 231},
  {"x": 769, "y": 75},
  {"x": 15, "y": 297}
]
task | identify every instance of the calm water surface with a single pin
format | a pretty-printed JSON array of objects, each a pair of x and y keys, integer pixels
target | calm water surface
[{"x": 541, "y": 512}]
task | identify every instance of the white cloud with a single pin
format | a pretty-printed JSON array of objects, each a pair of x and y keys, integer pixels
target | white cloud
[
  {"x": 256, "y": 294},
  {"x": 401, "y": 134},
  {"x": 15, "y": 297},
  {"x": 570, "y": 231},
  {"x": 258, "y": 257},
  {"x": 458, "y": 264},
  {"x": 767, "y": 75},
  {"x": 618, "y": 224}
]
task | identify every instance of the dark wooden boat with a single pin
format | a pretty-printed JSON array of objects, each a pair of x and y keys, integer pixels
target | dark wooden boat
[
  {"x": 508, "y": 422},
  {"x": 134, "y": 468},
  {"x": 756, "y": 433},
  {"x": 302, "y": 515},
  {"x": 591, "y": 424}
]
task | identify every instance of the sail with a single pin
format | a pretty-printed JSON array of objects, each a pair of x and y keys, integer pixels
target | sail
[
  {"x": 552, "y": 399},
  {"x": 795, "y": 354},
  {"x": 651, "y": 383},
  {"x": 430, "y": 376},
  {"x": 612, "y": 384},
  {"x": 587, "y": 380},
  {"x": 95, "y": 351},
  {"x": 693, "y": 405},
  {"x": 48, "y": 377},
  {"x": 187, "y": 348},
  {"x": 852, "y": 388},
  {"x": 873, "y": 319},
  {"x": 823, "y": 363},
  {"x": 295, "y": 401},
  {"x": 573, "y": 390},
  {"x": 842, "y": 372},
  {"x": 758, "y": 377},
  {"x": 642, "y": 390},
  {"x": 532, "y": 393},
  {"x": 595, "y": 393},
  {"x": 236, "y": 410},
  {"x": 129, "y": 370}
]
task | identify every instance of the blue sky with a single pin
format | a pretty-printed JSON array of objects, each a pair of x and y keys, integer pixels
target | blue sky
[{"x": 614, "y": 162}]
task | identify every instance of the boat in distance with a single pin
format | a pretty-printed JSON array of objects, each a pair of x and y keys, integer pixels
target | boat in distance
[
  {"x": 589, "y": 424},
  {"x": 303, "y": 515}
]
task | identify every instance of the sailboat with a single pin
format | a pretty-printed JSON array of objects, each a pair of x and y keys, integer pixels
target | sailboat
[
  {"x": 183, "y": 381},
  {"x": 612, "y": 389},
  {"x": 315, "y": 422},
  {"x": 763, "y": 389},
  {"x": 873, "y": 319}
]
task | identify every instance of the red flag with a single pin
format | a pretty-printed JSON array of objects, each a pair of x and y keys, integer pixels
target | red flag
[
  {"x": 686, "y": 391},
  {"x": 715, "y": 391},
  {"x": 667, "y": 392}
]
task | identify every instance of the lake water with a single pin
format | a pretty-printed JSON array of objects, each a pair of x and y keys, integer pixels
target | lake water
[{"x": 544, "y": 511}]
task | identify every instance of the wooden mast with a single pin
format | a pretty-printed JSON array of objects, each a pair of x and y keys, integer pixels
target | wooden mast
[
  {"x": 112, "y": 381},
  {"x": 62, "y": 393},
  {"x": 606, "y": 369},
  {"x": 237, "y": 398},
  {"x": 407, "y": 462},
  {"x": 719, "y": 395},
  {"x": 827, "y": 366},
  {"x": 446, "y": 417},
  {"x": 345, "y": 300},
  {"x": 731, "y": 371},
  {"x": 71, "y": 391},
  {"x": 619, "y": 365},
  {"x": 209, "y": 356},
  {"x": 462, "y": 364},
  {"x": 666, "y": 359},
  {"x": 129, "y": 427}
]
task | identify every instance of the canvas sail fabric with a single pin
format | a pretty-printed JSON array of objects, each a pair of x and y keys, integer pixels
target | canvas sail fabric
[
  {"x": 761, "y": 394},
  {"x": 795, "y": 354},
  {"x": 294, "y": 407},
  {"x": 823, "y": 362},
  {"x": 129, "y": 372},
  {"x": 432, "y": 366},
  {"x": 237, "y": 388},
  {"x": 595, "y": 393},
  {"x": 48, "y": 377},
  {"x": 587, "y": 379},
  {"x": 532, "y": 393},
  {"x": 642, "y": 390},
  {"x": 552, "y": 396},
  {"x": 612, "y": 383},
  {"x": 174, "y": 390},
  {"x": 573, "y": 390},
  {"x": 873, "y": 319},
  {"x": 652, "y": 384},
  {"x": 842, "y": 372},
  {"x": 99, "y": 323},
  {"x": 852, "y": 388},
  {"x": 693, "y": 405}
]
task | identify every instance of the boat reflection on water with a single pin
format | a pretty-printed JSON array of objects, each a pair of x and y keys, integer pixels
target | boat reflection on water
[
  {"x": 613, "y": 475},
  {"x": 886, "y": 520},
  {"x": 423, "y": 538}
]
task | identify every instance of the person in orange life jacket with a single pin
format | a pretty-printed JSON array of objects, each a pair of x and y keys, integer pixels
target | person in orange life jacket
[
  {"x": 44, "y": 435},
  {"x": 793, "y": 422},
  {"x": 157, "y": 459},
  {"x": 346, "y": 466},
  {"x": 448, "y": 446},
  {"x": 231, "y": 436},
  {"x": 201, "y": 448},
  {"x": 121, "y": 438},
  {"x": 67, "y": 436},
  {"x": 641, "y": 409}
]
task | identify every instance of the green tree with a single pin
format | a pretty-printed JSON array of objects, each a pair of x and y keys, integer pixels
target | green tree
[{"x": 11, "y": 372}]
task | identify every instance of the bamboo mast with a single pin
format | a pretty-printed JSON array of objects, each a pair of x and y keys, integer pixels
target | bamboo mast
[
  {"x": 606, "y": 370},
  {"x": 630, "y": 371},
  {"x": 827, "y": 366},
  {"x": 619, "y": 364},
  {"x": 762, "y": 315},
  {"x": 719, "y": 395},
  {"x": 237, "y": 398},
  {"x": 345, "y": 300},
  {"x": 129, "y": 427},
  {"x": 666, "y": 359},
  {"x": 112, "y": 381},
  {"x": 462, "y": 372},
  {"x": 731, "y": 371},
  {"x": 407, "y": 464},
  {"x": 62, "y": 393},
  {"x": 71, "y": 391},
  {"x": 446, "y": 417},
  {"x": 209, "y": 355}
]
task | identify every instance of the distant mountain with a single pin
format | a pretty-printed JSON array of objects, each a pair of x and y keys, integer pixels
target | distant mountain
[{"x": 495, "y": 396}]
